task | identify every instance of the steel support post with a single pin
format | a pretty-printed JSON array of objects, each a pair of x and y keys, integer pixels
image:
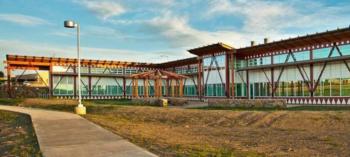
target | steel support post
[
  {"x": 227, "y": 75},
  {"x": 199, "y": 78},
  {"x": 311, "y": 74},
  {"x": 272, "y": 78},
  {"x": 248, "y": 85},
  {"x": 90, "y": 82},
  {"x": 51, "y": 80},
  {"x": 233, "y": 75},
  {"x": 9, "y": 91},
  {"x": 75, "y": 81}
]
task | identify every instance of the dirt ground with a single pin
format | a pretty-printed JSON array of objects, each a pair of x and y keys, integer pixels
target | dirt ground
[
  {"x": 185, "y": 132},
  {"x": 198, "y": 132},
  {"x": 17, "y": 136}
]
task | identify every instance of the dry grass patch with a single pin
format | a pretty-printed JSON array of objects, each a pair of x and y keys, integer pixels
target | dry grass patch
[
  {"x": 180, "y": 132},
  {"x": 17, "y": 136}
]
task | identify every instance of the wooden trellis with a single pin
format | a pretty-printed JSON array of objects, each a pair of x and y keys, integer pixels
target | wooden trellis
[{"x": 158, "y": 76}]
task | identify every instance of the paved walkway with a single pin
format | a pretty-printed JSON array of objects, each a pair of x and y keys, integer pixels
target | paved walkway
[{"x": 62, "y": 134}]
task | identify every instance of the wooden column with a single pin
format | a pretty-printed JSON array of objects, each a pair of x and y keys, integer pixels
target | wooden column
[
  {"x": 160, "y": 87},
  {"x": 181, "y": 88},
  {"x": 145, "y": 87},
  {"x": 167, "y": 88},
  {"x": 156, "y": 88},
  {"x": 135, "y": 90},
  {"x": 172, "y": 88}
]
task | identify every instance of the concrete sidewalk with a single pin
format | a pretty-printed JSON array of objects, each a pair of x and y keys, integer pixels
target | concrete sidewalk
[{"x": 62, "y": 134}]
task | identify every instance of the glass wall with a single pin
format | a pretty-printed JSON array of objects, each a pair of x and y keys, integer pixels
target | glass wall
[
  {"x": 259, "y": 61},
  {"x": 64, "y": 85},
  {"x": 214, "y": 78},
  {"x": 105, "y": 86}
]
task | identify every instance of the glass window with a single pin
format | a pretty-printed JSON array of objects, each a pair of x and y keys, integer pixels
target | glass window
[
  {"x": 266, "y": 60},
  {"x": 319, "y": 89},
  {"x": 299, "y": 88},
  {"x": 300, "y": 56},
  {"x": 238, "y": 89},
  {"x": 345, "y": 49},
  {"x": 280, "y": 58},
  {"x": 256, "y": 89},
  {"x": 326, "y": 87},
  {"x": 321, "y": 53},
  {"x": 345, "y": 87},
  {"x": 306, "y": 89},
  {"x": 335, "y": 87}
]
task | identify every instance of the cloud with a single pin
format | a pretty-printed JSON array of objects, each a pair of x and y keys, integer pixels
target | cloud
[
  {"x": 21, "y": 19},
  {"x": 167, "y": 3},
  {"x": 275, "y": 16},
  {"x": 19, "y": 47},
  {"x": 177, "y": 31},
  {"x": 104, "y": 9}
]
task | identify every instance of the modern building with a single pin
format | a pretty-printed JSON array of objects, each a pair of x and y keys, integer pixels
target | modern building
[{"x": 311, "y": 69}]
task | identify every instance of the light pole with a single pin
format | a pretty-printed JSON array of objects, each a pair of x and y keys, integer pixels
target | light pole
[{"x": 80, "y": 109}]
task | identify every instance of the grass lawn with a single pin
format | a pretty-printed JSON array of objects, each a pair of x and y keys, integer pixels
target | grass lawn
[
  {"x": 17, "y": 137},
  {"x": 301, "y": 131}
]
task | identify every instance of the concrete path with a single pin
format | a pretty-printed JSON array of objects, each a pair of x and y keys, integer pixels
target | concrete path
[{"x": 62, "y": 134}]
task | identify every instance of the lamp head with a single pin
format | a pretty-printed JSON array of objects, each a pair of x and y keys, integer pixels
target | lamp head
[{"x": 69, "y": 24}]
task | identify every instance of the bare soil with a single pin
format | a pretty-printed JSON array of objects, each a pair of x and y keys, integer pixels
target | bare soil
[{"x": 183, "y": 132}]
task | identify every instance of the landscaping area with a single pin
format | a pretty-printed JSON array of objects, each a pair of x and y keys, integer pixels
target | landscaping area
[
  {"x": 300, "y": 131},
  {"x": 17, "y": 136}
]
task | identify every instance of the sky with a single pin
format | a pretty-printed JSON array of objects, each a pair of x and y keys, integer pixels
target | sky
[{"x": 157, "y": 30}]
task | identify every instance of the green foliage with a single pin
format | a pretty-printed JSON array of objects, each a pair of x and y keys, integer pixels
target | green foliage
[{"x": 9, "y": 101}]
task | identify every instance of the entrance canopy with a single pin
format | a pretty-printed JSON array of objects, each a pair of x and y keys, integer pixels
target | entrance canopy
[
  {"x": 174, "y": 82},
  {"x": 158, "y": 74}
]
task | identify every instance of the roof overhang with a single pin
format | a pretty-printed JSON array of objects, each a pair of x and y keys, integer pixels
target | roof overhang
[
  {"x": 36, "y": 61},
  {"x": 187, "y": 61},
  {"x": 211, "y": 49}
]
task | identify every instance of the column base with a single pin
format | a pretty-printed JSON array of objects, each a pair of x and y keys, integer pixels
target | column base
[{"x": 80, "y": 110}]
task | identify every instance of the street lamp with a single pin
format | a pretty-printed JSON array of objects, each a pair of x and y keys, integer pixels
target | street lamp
[{"x": 80, "y": 109}]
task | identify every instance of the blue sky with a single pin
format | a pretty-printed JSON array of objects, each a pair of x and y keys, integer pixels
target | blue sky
[{"x": 157, "y": 30}]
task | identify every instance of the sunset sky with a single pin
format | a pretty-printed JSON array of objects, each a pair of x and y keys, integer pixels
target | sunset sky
[{"x": 157, "y": 30}]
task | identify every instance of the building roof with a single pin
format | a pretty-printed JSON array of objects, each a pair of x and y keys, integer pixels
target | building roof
[
  {"x": 18, "y": 60},
  {"x": 187, "y": 61},
  {"x": 327, "y": 37},
  {"x": 210, "y": 49}
]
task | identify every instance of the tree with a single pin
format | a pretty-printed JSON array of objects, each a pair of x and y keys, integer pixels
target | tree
[{"x": 1, "y": 74}]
